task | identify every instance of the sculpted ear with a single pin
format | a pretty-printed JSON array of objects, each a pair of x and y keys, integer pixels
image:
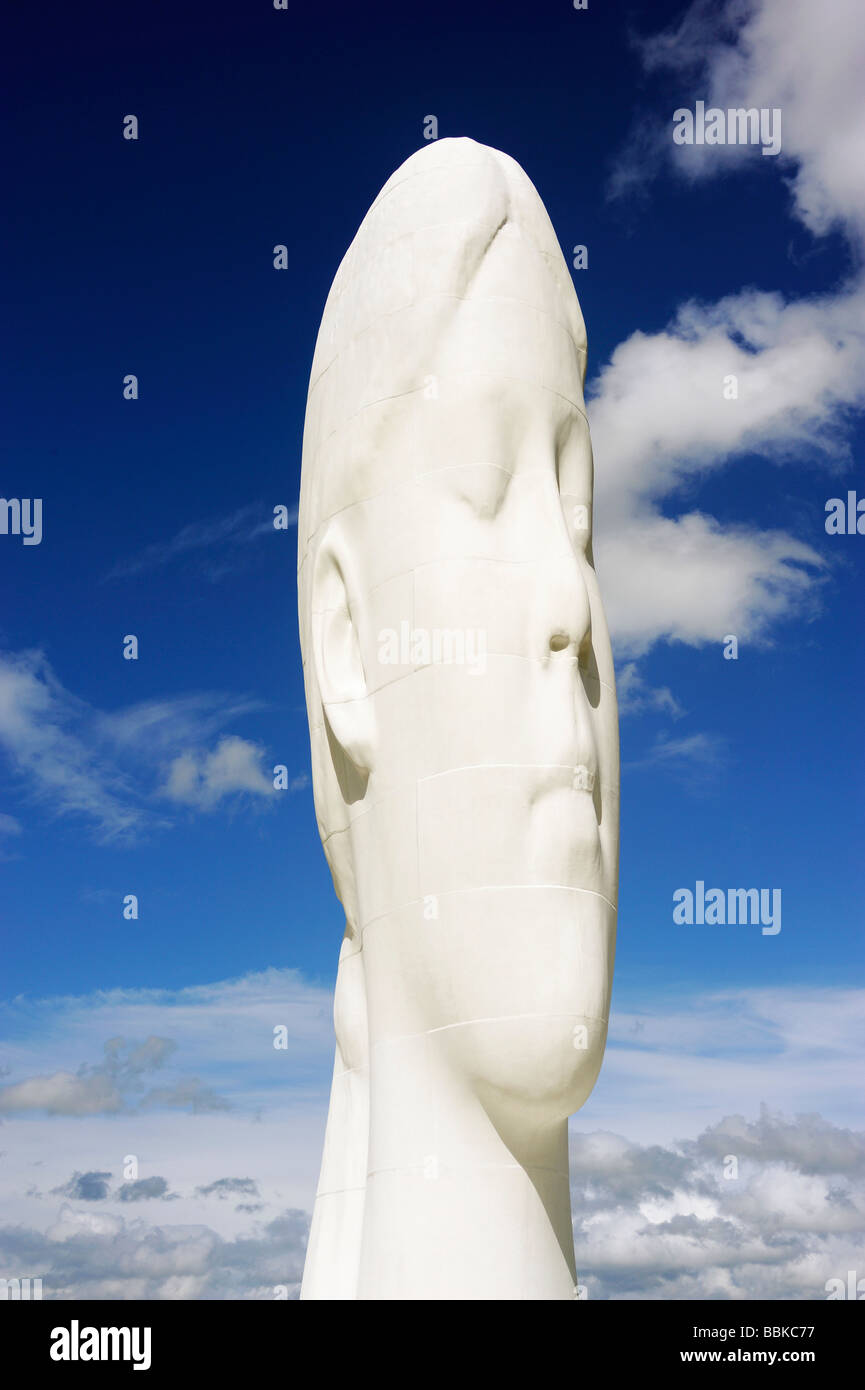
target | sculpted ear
[{"x": 339, "y": 670}]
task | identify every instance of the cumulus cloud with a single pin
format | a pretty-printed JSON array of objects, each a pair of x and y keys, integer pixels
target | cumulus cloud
[
  {"x": 809, "y": 1143},
  {"x": 111, "y": 1086},
  {"x": 62, "y": 1093},
  {"x": 202, "y": 781},
  {"x": 101, "y": 1256},
  {"x": 142, "y": 1190},
  {"x": 654, "y": 1216},
  {"x": 109, "y": 768},
  {"x": 772, "y": 1208},
  {"x": 229, "y": 1187},
  {"x": 86, "y": 1187},
  {"x": 662, "y": 411},
  {"x": 219, "y": 1062},
  {"x": 767, "y": 53}
]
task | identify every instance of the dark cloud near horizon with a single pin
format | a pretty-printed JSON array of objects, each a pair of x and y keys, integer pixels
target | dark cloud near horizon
[
  {"x": 85, "y": 1187},
  {"x": 229, "y": 1187},
  {"x": 142, "y": 1189},
  {"x": 650, "y": 1222}
]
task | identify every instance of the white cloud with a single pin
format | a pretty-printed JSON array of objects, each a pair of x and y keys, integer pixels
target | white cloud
[
  {"x": 111, "y": 767},
  {"x": 635, "y": 695},
  {"x": 215, "y": 1039},
  {"x": 706, "y": 1219},
  {"x": 673, "y": 1068},
  {"x": 162, "y": 727},
  {"x": 674, "y": 1221},
  {"x": 660, "y": 419},
  {"x": 224, "y": 1031},
  {"x": 97, "y": 1255},
  {"x": 111, "y": 1085},
  {"x": 680, "y": 1090},
  {"x": 696, "y": 757},
  {"x": 227, "y": 533},
  {"x": 787, "y": 54},
  {"x": 40, "y": 734},
  {"x": 233, "y": 766},
  {"x": 62, "y": 1093}
]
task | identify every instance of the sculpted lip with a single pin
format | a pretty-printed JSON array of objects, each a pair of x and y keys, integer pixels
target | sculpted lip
[{"x": 452, "y": 340}]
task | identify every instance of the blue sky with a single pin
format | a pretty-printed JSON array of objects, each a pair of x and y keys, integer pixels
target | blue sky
[{"x": 154, "y": 777}]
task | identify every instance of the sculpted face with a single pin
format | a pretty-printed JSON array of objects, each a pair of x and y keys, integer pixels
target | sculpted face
[{"x": 462, "y": 705}]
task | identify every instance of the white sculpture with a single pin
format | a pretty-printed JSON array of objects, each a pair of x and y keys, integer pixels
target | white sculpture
[{"x": 464, "y": 738}]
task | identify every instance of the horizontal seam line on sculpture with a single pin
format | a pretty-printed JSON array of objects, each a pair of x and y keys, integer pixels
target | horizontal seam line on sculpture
[
  {"x": 341, "y": 830},
  {"x": 484, "y": 888},
  {"x": 365, "y": 595},
  {"x": 475, "y": 371},
  {"x": 474, "y": 767},
  {"x": 339, "y": 1191},
  {"x": 473, "y": 1167},
  {"x": 509, "y": 656},
  {"x": 471, "y": 1022}
]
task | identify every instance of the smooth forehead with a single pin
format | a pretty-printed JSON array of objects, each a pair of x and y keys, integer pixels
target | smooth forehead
[{"x": 451, "y": 336}]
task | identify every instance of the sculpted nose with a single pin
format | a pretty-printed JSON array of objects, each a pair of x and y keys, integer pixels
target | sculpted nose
[
  {"x": 563, "y": 631},
  {"x": 562, "y": 644}
]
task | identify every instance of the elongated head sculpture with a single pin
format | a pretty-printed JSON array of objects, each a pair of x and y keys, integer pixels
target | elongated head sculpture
[{"x": 464, "y": 737}]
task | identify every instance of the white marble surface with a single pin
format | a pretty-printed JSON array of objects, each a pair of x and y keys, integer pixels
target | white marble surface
[{"x": 464, "y": 738}]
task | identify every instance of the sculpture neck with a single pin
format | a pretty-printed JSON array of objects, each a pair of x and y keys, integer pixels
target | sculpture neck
[{"x": 451, "y": 1210}]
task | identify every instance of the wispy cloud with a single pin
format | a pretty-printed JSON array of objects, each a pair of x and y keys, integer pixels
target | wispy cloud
[
  {"x": 221, "y": 1030},
  {"x": 655, "y": 1213},
  {"x": 43, "y": 732},
  {"x": 770, "y": 1207},
  {"x": 225, "y": 534},
  {"x": 636, "y": 696},
  {"x": 114, "y": 768},
  {"x": 164, "y": 726},
  {"x": 674, "y": 1064},
  {"x": 694, "y": 758}
]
